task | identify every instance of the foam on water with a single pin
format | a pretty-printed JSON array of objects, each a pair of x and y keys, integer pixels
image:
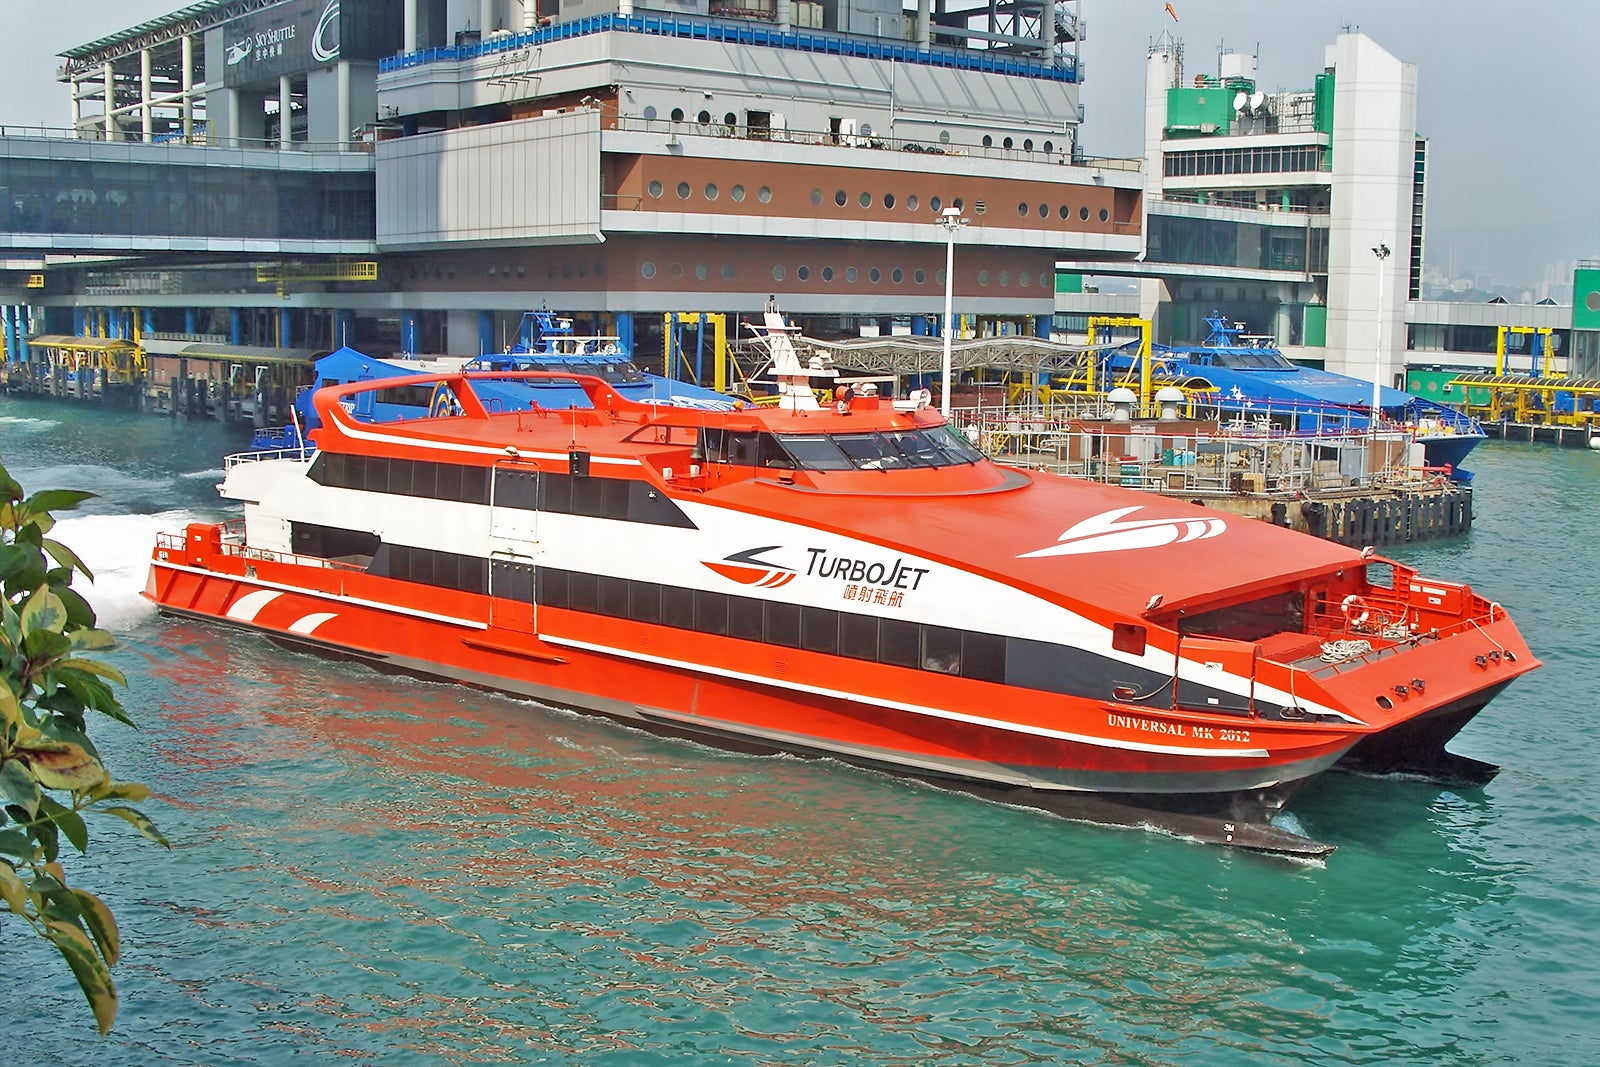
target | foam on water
[
  {"x": 117, "y": 549},
  {"x": 20, "y": 424}
]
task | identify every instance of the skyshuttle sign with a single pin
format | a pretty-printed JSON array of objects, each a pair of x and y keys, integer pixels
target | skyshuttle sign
[{"x": 299, "y": 35}]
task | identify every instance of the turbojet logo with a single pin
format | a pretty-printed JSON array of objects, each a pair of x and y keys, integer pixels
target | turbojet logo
[
  {"x": 747, "y": 568},
  {"x": 1106, "y": 533}
]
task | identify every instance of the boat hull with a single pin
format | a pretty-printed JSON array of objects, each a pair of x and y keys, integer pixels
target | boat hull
[{"x": 772, "y": 707}]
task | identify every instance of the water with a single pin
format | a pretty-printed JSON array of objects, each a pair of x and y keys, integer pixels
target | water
[{"x": 395, "y": 872}]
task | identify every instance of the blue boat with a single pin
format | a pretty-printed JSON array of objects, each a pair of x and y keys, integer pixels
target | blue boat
[
  {"x": 1254, "y": 380},
  {"x": 548, "y": 344}
]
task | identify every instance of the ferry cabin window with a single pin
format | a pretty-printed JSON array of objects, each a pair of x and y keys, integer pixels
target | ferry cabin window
[
  {"x": 815, "y": 452},
  {"x": 893, "y": 642}
]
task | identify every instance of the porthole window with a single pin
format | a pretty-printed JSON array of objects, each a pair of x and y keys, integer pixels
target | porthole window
[
  {"x": 888, "y": 201},
  {"x": 711, "y": 190},
  {"x": 944, "y": 136},
  {"x": 647, "y": 269},
  {"x": 866, "y": 129},
  {"x": 566, "y": 270},
  {"x": 700, "y": 271},
  {"x": 493, "y": 271},
  {"x": 737, "y": 193},
  {"x": 1066, "y": 212},
  {"x": 1024, "y": 279},
  {"x": 1022, "y": 210},
  {"x": 1049, "y": 147},
  {"x": 816, "y": 197},
  {"x": 979, "y": 207},
  {"x": 1083, "y": 213},
  {"x": 764, "y": 195},
  {"x": 827, "y": 274},
  {"x": 840, "y": 198},
  {"x": 1005, "y": 279},
  {"x": 705, "y": 118},
  {"x": 683, "y": 190},
  {"x": 866, "y": 199},
  {"x": 958, "y": 203},
  {"x": 675, "y": 269},
  {"x": 803, "y": 273},
  {"x": 1044, "y": 211},
  {"x": 934, "y": 204},
  {"x": 677, "y": 114},
  {"x": 1105, "y": 215},
  {"x": 655, "y": 189},
  {"x": 727, "y": 271},
  {"x": 988, "y": 142},
  {"x": 850, "y": 275},
  {"x": 1027, "y": 146},
  {"x": 983, "y": 277},
  {"x": 898, "y": 275},
  {"x": 778, "y": 272},
  {"x": 874, "y": 276},
  {"x": 920, "y": 277},
  {"x": 1007, "y": 144},
  {"x": 650, "y": 113},
  {"x": 911, "y": 202},
  {"x": 939, "y": 277},
  {"x": 730, "y": 120}
]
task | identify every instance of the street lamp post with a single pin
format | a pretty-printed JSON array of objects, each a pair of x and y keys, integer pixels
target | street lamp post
[
  {"x": 1381, "y": 250},
  {"x": 952, "y": 221}
]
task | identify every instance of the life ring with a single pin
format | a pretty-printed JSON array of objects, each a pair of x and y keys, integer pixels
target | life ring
[{"x": 1355, "y": 610}]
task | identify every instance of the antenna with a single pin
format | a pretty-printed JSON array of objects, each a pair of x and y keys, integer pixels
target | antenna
[
  {"x": 1257, "y": 99},
  {"x": 1239, "y": 101}
]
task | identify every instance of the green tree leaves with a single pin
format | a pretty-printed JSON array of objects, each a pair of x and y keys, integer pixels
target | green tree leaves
[{"x": 51, "y": 774}]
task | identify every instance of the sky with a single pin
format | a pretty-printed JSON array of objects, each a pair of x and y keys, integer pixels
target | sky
[{"x": 1504, "y": 93}]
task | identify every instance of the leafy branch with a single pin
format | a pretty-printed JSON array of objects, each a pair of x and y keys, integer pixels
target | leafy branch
[{"x": 51, "y": 774}]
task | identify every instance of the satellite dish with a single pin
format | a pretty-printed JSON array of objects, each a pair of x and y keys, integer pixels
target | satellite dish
[
  {"x": 1256, "y": 100},
  {"x": 1239, "y": 100}
]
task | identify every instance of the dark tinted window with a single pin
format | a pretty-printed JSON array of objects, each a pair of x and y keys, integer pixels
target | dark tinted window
[{"x": 783, "y": 625}]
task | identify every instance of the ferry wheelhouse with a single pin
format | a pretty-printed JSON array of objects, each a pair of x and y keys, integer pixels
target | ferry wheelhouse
[{"x": 851, "y": 579}]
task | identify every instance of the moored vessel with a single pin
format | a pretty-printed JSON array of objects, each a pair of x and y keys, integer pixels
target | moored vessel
[{"x": 855, "y": 580}]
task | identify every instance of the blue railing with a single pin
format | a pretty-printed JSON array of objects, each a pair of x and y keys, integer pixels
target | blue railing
[{"x": 737, "y": 33}]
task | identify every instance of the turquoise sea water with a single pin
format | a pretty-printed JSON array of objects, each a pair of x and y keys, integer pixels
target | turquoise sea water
[{"x": 375, "y": 869}]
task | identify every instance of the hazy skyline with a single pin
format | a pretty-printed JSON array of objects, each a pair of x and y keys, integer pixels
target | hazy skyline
[{"x": 1500, "y": 93}]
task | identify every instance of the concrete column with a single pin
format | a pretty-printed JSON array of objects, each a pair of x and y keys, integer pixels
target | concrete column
[
  {"x": 110, "y": 79},
  {"x": 924, "y": 25},
  {"x": 530, "y": 15},
  {"x": 342, "y": 75},
  {"x": 285, "y": 112},
  {"x": 409, "y": 38},
  {"x": 1047, "y": 29},
  {"x": 485, "y": 18},
  {"x": 235, "y": 115},
  {"x": 147, "y": 123},
  {"x": 785, "y": 16},
  {"x": 188, "y": 88},
  {"x": 77, "y": 108}
]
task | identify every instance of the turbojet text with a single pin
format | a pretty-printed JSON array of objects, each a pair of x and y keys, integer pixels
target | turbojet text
[{"x": 896, "y": 575}]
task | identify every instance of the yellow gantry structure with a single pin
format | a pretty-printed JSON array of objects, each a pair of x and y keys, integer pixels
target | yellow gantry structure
[
  {"x": 675, "y": 350},
  {"x": 283, "y": 275},
  {"x": 123, "y": 361},
  {"x": 1519, "y": 398},
  {"x": 1546, "y": 334}
]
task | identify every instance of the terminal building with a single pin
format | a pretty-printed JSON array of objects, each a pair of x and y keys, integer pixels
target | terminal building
[{"x": 244, "y": 180}]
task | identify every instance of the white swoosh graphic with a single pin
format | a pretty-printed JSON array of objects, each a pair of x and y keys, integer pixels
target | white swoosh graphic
[{"x": 1104, "y": 533}]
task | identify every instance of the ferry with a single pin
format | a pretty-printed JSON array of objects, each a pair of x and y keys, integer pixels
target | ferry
[
  {"x": 1255, "y": 380},
  {"x": 850, "y": 579}
]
